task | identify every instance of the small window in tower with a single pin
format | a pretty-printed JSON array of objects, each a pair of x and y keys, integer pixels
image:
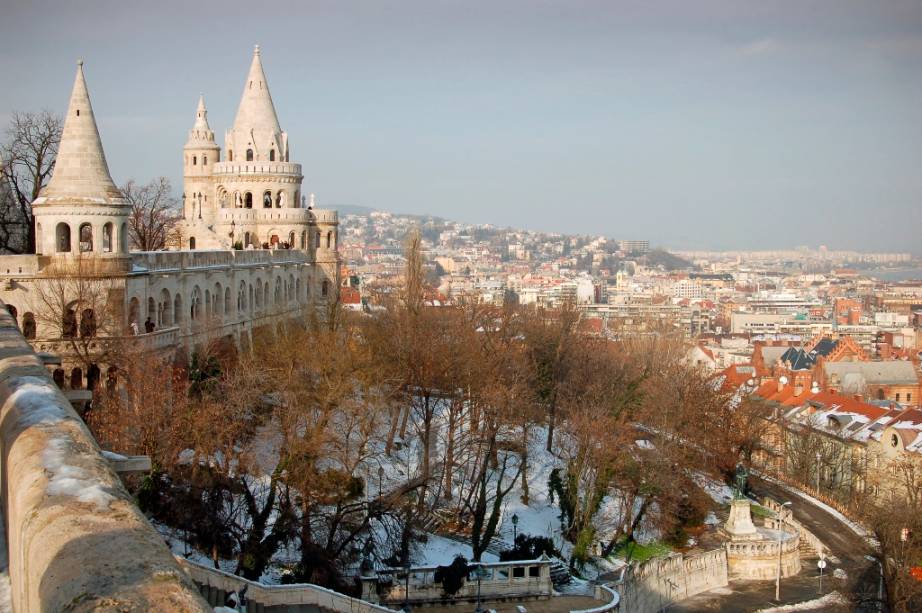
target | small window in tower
[
  {"x": 204, "y": 160},
  {"x": 230, "y": 156},
  {"x": 78, "y": 112},
  {"x": 271, "y": 155},
  {"x": 107, "y": 238},
  {"x": 249, "y": 155},
  {"x": 194, "y": 160},
  {"x": 86, "y": 237}
]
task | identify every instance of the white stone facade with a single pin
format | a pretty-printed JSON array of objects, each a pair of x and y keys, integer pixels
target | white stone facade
[{"x": 206, "y": 290}]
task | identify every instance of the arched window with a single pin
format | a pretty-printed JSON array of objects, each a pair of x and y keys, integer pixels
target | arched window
[
  {"x": 317, "y": 240},
  {"x": 166, "y": 308},
  {"x": 204, "y": 160},
  {"x": 76, "y": 378},
  {"x": 230, "y": 155},
  {"x": 28, "y": 325},
  {"x": 250, "y": 298},
  {"x": 195, "y": 160},
  {"x": 62, "y": 238},
  {"x": 249, "y": 155},
  {"x": 134, "y": 312},
  {"x": 107, "y": 238},
  {"x": 291, "y": 240},
  {"x": 217, "y": 299},
  {"x": 307, "y": 288},
  {"x": 12, "y": 310},
  {"x": 267, "y": 200},
  {"x": 266, "y": 292},
  {"x": 279, "y": 199},
  {"x": 259, "y": 293},
  {"x": 271, "y": 155},
  {"x": 227, "y": 301},
  {"x": 69, "y": 323},
  {"x": 329, "y": 239},
  {"x": 87, "y": 324},
  {"x": 195, "y": 308},
  {"x": 278, "y": 290},
  {"x": 123, "y": 237},
  {"x": 304, "y": 239},
  {"x": 208, "y": 311},
  {"x": 177, "y": 309},
  {"x": 86, "y": 237},
  {"x": 191, "y": 242},
  {"x": 248, "y": 200},
  {"x": 325, "y": 288},
  {"x": 247, "y": 239}
]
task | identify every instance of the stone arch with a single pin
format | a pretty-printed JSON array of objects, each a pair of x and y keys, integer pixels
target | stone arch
[
  {"x": 330, "y": 239},
  {"x": 266, "y": 292},
  {"x": 85, "y": 237},
  {"x": 250, "y": 298},
  {"x": 227, "y": 301},
  {"x": 87, "y": 323},
  {"x": 242, "y": 297},
  {"x": 151, "y": 308},
  {"x": 166, "y": 307},
  {"x": 278, "y": 290},
  {"x": 291, "y": 240},
  {"x": 304, "y": 239},
  {"x": 28, "y": 325},
  {"x": 259, "y": 293},
  {"x": 107, "y": 242},
  {"x": 217, "y": 297},
  {"x": 134, "y": 311},
  {"x": 191, "y": 242},
  {"x": 177, "y": 309},
  {"x": 267, "y": 199},
  {"x": 248, "y": 200},
  {"x": 195, "y": 306},
  {"x": 62, "y": 238},
  {"x": 69, "y": 321},
  {"x": 271, "y": 155},
  {"x": 249, "y": 155},
  {"x": 76, "y": 378},
  {"x": 208, "y": 311},
  {"x": 280, "y": 199}
]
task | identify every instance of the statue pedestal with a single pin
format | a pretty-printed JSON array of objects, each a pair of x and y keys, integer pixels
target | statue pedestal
[{"x": 739, "y": 526}]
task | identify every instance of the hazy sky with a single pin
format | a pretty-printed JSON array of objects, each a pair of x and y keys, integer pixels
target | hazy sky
[{"x": 695, "y": 124}]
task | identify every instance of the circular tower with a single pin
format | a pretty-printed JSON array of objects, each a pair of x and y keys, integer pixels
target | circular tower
[{"x": 200, "y": 153}]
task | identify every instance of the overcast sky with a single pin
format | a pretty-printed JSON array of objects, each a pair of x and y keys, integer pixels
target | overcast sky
[{"x": 693, "y": 124}]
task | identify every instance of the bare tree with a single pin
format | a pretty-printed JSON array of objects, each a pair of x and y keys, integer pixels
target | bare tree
[
  {"x": 26, "y": 163},
  {"x": 154, "y": 213}
]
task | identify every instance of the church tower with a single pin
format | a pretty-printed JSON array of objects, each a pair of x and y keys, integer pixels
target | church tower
[
  {"x": 81, "y": 211},
  {"x": 199, "y": 156}
]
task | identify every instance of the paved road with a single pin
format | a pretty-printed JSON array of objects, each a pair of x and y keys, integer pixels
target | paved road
[{"x": 843, "y": 544}]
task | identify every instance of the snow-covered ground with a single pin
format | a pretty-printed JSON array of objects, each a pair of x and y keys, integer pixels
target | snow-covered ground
[{"x": 439, "y": 551}]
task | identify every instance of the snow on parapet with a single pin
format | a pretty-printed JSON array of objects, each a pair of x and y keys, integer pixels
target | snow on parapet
[{"x": 68, "y": 480}]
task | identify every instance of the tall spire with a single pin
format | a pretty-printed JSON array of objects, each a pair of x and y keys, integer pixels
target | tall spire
[
  {"x": 256, "y": 111},
  {"x": 201, "y": 114},
  {"x": 80, "y": 171}
]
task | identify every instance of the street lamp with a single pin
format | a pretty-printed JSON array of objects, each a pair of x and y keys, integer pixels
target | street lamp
[
  {"x": 515, "y": 522},
  {"x": 780, "y": 534},
  {"x": 480, "y": 572},
  {"x": 880, "y": 583},
  {"x": 406, "y": 591}
]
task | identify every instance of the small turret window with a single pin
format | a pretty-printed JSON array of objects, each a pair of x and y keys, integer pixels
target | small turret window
[
  {"x": 248, "y": 200},
  {"x": 271, "y": 155},
  {"x": 249, "y": 155},
  {"x": 107, "y": 238},
  {"x": 62, "y": 237},
  {"x": 78, "y": 112},
  {"x": 204, "y": 160},
  {"x": 267, "y": 200},
  {"x": 194, "y": 160},
  {"x": 230, "y": 156}
]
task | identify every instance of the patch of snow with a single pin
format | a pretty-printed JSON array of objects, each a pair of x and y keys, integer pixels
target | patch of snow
[
  {"x": 711, "y": 519},
  {"x": 440, "y": 551},
  {"x": 829, "y": 600},
  {"x": 719, "y": 492},
  {"x": 69, "y": 480},
  {"x": 644, "y": 444},
  {"x": 111, "y": 455},
  {"x": 38, "y": 401}
]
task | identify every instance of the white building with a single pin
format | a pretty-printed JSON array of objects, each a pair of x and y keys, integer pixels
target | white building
[{"x": 188, "y": 296}]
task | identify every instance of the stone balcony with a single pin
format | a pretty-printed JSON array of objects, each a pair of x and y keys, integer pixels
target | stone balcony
[
  {"x": 282, "y": 216},
  {"x": 178, "y": 261},
  {"x": 221, "y": 169}
]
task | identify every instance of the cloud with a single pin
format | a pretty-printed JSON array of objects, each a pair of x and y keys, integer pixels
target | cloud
[{"x": 762, "y": 46}]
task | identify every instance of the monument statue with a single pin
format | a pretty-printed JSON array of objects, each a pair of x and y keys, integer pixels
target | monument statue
[{"x": 741, "y": 476}]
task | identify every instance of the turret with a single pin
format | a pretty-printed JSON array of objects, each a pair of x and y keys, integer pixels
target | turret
[
  {"x": 199, "y": 155},
  {"x": 81, "y": 211},
  {"x": 256, "y": 135}
]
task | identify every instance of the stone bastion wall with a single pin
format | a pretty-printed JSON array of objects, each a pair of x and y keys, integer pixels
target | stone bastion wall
[
  {"x": 653, "y": 585},
  {"x": 76, "y": 541}
]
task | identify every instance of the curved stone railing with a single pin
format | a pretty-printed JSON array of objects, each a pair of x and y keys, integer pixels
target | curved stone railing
[
  {"x": 76, "y": 540},
  {"x": 601, "y": 593},
  {"x": 215, "y": 585}
]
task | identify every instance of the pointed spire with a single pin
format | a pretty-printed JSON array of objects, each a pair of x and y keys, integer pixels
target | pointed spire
[
  {"x": 201, "y": 135},
  {"x": 256, "y": 111},
  {"x": 80, "y": 171}
]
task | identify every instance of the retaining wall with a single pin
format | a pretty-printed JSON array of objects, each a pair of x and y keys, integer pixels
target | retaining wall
[
  {"x": 76, "y": 540},
  {"x": 655, "y": 584}
]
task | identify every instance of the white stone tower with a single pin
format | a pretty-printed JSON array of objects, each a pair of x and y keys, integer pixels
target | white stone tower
[
  {"x": 199, "y": 156},
  {"x": 81, "y": 211}
]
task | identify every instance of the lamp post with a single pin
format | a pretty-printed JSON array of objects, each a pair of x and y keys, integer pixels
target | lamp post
[
  {"x": 406, "y": 591},
  {"x": 480, "y": 573},
  {"x": 780, "y": 535},
  {"x": 515, "y": 523}
]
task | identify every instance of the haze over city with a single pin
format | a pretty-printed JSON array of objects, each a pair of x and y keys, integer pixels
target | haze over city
[{"x": 694, "y": 125}]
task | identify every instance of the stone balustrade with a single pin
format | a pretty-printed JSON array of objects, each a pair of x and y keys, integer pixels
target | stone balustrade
[
  {"x": 280, "y": 215},
  {"x": 255, "y": 168},
  {"x": 76, "y": 541},
  {"x": 521, "y": 579},
  {"x": 785, "y": 521},
  {"x": 166, "y": 338},
  {"x": 177, "y": 261},
  {"x": 215, "y": 585}
]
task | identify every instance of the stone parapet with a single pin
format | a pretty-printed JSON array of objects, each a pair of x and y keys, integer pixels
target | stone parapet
[
  {"x": 221, "y": 169},
  {"x": 76, "y": 540}
]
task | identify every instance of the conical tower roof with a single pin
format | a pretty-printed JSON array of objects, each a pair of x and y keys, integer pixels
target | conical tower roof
[
  {"x": 80, "y": 171},
  {"x": 201, "y": 135},
  {"x": 256, "y": 111}
]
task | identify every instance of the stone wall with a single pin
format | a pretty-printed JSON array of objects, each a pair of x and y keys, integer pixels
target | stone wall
[
  {"x": 656, "y": 583},
  {"x": 76, "y": 540}
]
